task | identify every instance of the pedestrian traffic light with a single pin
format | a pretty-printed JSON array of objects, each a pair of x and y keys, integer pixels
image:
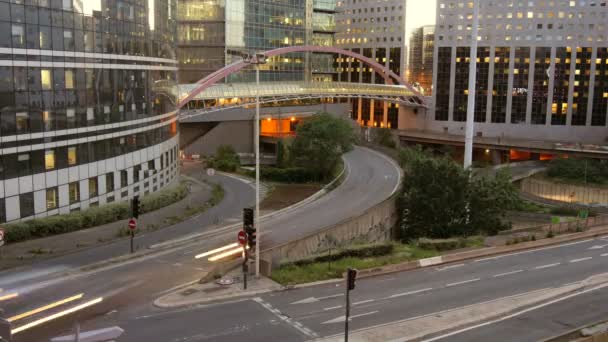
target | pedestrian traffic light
[
  {"x": 135, "y": 207},
  {"x": 248, "y": 226},
  {"x": 351, "y": 276}
]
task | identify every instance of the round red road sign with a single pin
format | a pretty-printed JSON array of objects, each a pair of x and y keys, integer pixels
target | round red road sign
[
  {"x": 132, "y": 224},
  {"x": 242, "y": 236}
]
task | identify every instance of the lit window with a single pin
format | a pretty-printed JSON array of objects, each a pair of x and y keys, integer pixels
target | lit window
[
  {"x": 22, "y": 122},
  {"x": 47, "y": 120},
  {"x": 74, "y": 190},
  {"x": 93, "y": 187},
  {"x": 49, "y": 159},
  {"x": 47, "y": 80},
  {"x": 69, "y": 79},
  {"x": 52, "y": 198},
  {"x": 72, "y": 156}
]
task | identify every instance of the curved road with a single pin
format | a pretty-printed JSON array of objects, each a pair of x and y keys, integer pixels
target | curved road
[{"x": 129, "y": 288}]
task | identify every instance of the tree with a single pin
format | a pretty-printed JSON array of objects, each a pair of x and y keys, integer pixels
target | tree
[
  {"x": 320, "y": 142},
  {"x": 440, "y": 199},
  {"x": 226, "y": 159}
]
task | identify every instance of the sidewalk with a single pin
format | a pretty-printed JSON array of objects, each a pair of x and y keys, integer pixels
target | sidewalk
[
  {"x": 31, "y": 251},
  {"x": 212, "y": 291}
]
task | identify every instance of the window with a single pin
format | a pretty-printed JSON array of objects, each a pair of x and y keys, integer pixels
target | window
[
  {"x": 18, "y": 36},
  {"x": 110, "y": 182},
  {"x": 136, "y": 171},
  {"x": 72, "y": 156},
  {"x": 26, "y": 204},
  {"x": 23, "y": 123},
  {"x": 46, "y": 79},
  {"x": 47, "y": 121},
  {"x": 151, "y": 166},
  {"x": 52, "y": 198},
  {"x": 49, "y": 159},
  {"x": 74, "y": 189},
  {"x": 69, "y": 79},
  {"x": 93, "y": 187},
  {"x": 124, "y": 180},
  {"x": 24, "y": 165}
]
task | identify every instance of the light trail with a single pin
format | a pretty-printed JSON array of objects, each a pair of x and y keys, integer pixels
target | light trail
[
  {"x": 57, "y": 315},
  {"x": 44, "y": 308},
  {"x": 226, "y": 254},
  {"x": 9, "y": 296},
  {"x": 217, "y": 250}
]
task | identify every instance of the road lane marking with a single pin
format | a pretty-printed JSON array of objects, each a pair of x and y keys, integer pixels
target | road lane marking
[
  {"x": 448, "y": 267},
  {"x": 507, "y": 273},
  {"x": 463, "y": 282},
  {"x": 341, "y": 319},
  {"x": 547, "y": 266},
  {"x": 332, "y": 308},
  {"x": 310, "y": 300},
  {"x": 533, "y": 250},
  {"x": 597, "y": 247},
  {"x": 410, "y": 293},
  {"x": 294, "y": 324},
  {"x": 605, "y": 254},
  {"x": 364, "y": 301},
  {"x": 504, "y": 318},
  {"x": 581, "y": 259}
]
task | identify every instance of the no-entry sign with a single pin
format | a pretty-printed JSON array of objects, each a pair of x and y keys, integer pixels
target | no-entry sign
[
  {"x": 132, "y": 224},
  {"x": 242, "y": 237}
]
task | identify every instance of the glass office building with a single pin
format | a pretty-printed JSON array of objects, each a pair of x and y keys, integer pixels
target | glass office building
[
  {"x": 87, "y": 103},
  {"x": 213, "y": 33}
]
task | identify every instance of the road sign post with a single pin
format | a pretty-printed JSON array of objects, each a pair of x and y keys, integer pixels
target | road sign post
[{"x": 132, "y": 227}]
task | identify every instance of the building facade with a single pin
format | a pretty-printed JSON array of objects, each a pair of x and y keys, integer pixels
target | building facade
[
  {"x": 87, "y": 110},
  {"x": 542, "y": 71},
  {"x": 214, "y": 33},
  {"x": 375, "y": 29},
  {"x": 420, "y": 62},
  {"x": 323, "y": 65}
]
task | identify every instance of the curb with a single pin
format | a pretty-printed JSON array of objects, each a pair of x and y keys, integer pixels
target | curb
[{"x": 479, "y": 253}]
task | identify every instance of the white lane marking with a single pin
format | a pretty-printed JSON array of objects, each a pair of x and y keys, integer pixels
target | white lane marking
[
  {"x": 581, "y": 259},
  {"x": 533, "y": 250},
  {"x": 448, "y": 267},
  {"x": 605, "y": 254},
  {"x": 560, "y": 299},
  {"x": 341, "y": 319},
  {"x": 297, "y": 325},
  {"x": 316, "y": 299},
  {"x": 410, "y": 293},
  {"x": 463, "y": 282},
  {"x": 363, "y": 302},
  {"x": 597, "y": 247},
  {"x": 507, "y": 273},
  {"x": 332, "y": 308},
  {"x": 547, "y": 266}
]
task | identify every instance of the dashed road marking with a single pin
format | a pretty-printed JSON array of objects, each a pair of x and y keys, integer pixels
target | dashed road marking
[
  {"x": 332, "y": 308},
  {"x": 363, "y": 302},
  {"x": 463, "y": 282},
  {"x": 581, "y": 259},
  {"x": 449, "y": 267},
  {"x": 507, "y": 273},
  {"x": 297, "y": 325},
  {"x": 547, "y": 266},
  {"x": 533, "y": 250},
  {"x": 605, "y": 254},
  {"x": 410, "y": 293}
]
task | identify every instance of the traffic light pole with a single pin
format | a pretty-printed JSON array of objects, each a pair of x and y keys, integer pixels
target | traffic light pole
[
  {"x": 347, "y": 316},
  {"x": 256, "y": 221},
  {"x": 132, "y": 238}
]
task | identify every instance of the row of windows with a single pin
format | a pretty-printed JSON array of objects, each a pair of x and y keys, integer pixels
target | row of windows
[{"x": 33, "y": 162}]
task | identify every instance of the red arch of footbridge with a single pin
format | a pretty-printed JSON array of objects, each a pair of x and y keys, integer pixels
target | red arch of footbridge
[{"x": 389, "y": 76}]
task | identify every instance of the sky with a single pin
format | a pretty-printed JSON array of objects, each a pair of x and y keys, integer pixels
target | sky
[{"x": 419, "y": 13}]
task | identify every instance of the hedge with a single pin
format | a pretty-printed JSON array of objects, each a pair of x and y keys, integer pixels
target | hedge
[
  {"x": 365, "y": 251},
  {"x": 91, "y": 217},
  {"x": 285, "y": 175},
  {"x": 441, "y": 244}
]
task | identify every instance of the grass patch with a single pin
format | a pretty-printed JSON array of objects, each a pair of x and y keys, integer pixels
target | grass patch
[{"x": 292, "y": 274}]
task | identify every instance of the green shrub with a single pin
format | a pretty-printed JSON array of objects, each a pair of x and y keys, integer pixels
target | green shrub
[
  {"x": 439, "y": 244},
  {"x": 384, "y": 137},
  {"x": 226, "y": 159},
  {"x": 564, "y": 211},
  {"x": 364, "y": 251},
  {"x": 91, "y": 217},
  {"x": 579, "y": 170}
]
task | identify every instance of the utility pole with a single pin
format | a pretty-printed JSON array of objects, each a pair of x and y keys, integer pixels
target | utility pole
[{"x": 470, "y": 125}]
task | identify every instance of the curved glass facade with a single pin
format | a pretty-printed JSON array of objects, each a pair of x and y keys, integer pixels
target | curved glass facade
[{"x": 87, "y": 115}]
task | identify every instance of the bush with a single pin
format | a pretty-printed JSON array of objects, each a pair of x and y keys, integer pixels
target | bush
[
  {"x": 579, "y": 170},
  {"x": 226, "y": 159},
  {"x": 364, "y": 251},
  {"x": 287, "y": 175},
  {"x": 439, "y": 244},
  {"x": 384, "y": 137},
  {"x": 92, "y": 217},
  {"x": 564, "y": 211}
]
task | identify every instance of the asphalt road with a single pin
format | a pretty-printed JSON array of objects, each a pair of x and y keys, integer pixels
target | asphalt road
[
  {"x": 128, "y": 289},
  {"x": 304, "y": 314}
]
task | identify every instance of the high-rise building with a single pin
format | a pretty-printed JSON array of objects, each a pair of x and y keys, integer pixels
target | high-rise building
[
  {"x": 542, "y": 71},
  {"x": 214, "y": 33},
  {"x": 323, "y": 65},
  {"x": 420, "y": 64},
  {"x": 87, "y": 109},
  {"x": 375, "y": 29}
]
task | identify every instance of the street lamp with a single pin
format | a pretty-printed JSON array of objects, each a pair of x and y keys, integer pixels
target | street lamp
[
  {"x": 257, "y": 59},
  {"x": 470, "y": 125}
]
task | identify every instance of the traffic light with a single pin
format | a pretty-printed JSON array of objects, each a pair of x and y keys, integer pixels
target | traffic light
[
  {"x": 248, "y": 226},
  {"x": 351, "y": 276},
  {"x": 135, "y": 207}
]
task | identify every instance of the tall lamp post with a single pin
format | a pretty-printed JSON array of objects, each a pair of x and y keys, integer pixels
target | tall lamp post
[
  {"x": 256, "y": 60},
  {"x": 470, "y": 125}
]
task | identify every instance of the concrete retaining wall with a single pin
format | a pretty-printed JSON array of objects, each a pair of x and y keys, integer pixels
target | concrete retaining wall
[
  {"x": 375, "y": 225},
  {"x": 565, "y": 192}
]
